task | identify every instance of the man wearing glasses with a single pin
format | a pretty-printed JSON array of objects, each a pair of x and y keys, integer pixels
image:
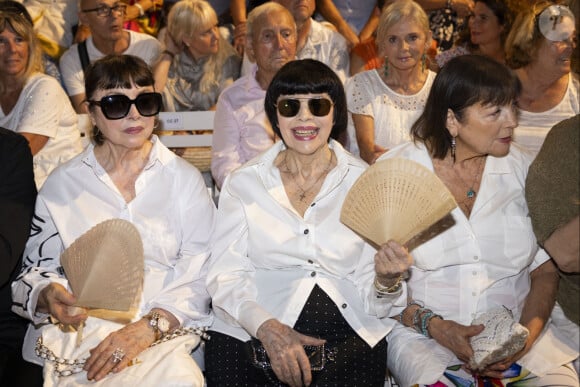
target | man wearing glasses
[{"x": 105, "y": 21}]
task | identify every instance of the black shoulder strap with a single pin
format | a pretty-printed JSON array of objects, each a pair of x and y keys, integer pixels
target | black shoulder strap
[{"x": 83, "y": 54}]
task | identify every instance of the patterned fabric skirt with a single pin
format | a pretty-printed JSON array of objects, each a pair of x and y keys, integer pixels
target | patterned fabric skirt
[
  {"x": 515, "y": 376},
  {"x": 228, "y": 360}
]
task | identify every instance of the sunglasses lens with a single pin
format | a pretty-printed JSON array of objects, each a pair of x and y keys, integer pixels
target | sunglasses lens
[
  {"x": 320, "y": 107},
  {"x": 148, "y": 104},
  {"x": 115, "y": 107},
  {"x": 288, "y": 107}
]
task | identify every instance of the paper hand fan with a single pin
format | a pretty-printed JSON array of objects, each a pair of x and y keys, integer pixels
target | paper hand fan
[
  {"x": 395, "y": 199},
  {"x": 105, "y": 266},
  {"x": 501, "y": 338}
]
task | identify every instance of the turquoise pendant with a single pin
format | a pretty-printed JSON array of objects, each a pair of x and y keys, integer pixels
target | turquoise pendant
[{"x": 470, "y": 193}]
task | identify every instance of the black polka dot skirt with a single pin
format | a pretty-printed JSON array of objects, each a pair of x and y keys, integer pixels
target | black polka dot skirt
[{"x": 228, "y": 360}]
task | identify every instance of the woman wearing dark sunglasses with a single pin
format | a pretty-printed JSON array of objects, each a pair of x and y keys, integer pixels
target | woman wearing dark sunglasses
[
  {"x": 284, "y": 270},
  {"x": 126, "y": 173}
]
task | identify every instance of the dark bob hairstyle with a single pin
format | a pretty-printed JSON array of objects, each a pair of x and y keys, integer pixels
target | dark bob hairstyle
[
  {"x": 464, "y": 81},
  {"x": 307, "y": 76},
  {"x": 112, "y": 72}
]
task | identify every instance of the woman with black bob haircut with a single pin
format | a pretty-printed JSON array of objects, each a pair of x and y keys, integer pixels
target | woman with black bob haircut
[
  {"x": 308, "y": 78},
  {"x": 293, "y": 289},
  {"x": 125, "y": 173},
  {"x": 488, "y": 259}
]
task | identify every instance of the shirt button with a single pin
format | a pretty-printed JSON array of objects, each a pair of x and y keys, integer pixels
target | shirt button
[
  {"x": 306, "y": 231},
  {"x": 474, "y": 293},
  {"x": 475, "y": 258},
  {"x": 312, "y": 205},
  {"x": 310, "y": 261},
  {"x": 313, "y": 274},
  {"x": 474, "y": 273},
  {"x": 344, "y": 306}
]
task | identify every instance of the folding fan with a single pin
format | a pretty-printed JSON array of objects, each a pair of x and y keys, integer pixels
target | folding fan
[{"x": 395, "y": 199}]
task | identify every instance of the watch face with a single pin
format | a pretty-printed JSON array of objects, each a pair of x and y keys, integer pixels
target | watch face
[{"x": 163, "y": 324}]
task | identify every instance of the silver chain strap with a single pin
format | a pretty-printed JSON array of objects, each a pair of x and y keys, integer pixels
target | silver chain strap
[{"x": 67, "y": 367}]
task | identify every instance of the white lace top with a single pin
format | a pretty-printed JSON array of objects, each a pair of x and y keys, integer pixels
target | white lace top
[{"x": 393, "y": 113}]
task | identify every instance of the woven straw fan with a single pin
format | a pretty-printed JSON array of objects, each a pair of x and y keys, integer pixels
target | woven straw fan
[
  {"x": 395, "y": 199},
  {"x": 105, "y": 266}
]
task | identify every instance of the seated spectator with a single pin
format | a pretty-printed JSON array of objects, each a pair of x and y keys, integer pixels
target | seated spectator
[
  {"x": 385, "y": 102},
  {"x": 446, "y": 18},
  {"x": 314, "y": 41},
  {"x": 125, "y": 173},
  {"x": 197, "y": 64},
  {"x": 540, "y": 51},
  {"x": 553, "y": 195},
  {"x": 241, "y": 129},
  {"x": 284, "y": 270},
  {"x": 487, "y": 29},
  {"x": 32, "y": 103},
  {"x": 144, "y": 16},
  {"x": 488, "y": 256},
  {"x": 104, "y": 19},
  {"x": 348, "y": 17},
  {"x": 17, "y": 196}
]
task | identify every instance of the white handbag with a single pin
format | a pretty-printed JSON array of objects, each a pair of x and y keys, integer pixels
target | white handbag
[{"x": 166, "y": 363}]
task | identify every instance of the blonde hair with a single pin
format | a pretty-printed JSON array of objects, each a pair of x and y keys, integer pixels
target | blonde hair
[
  {"x": 525, "y": 38},
  {"x": 22, "y": 27},
  {"x": 397, "y": 11},
  {"x": 188, "y": 17}
]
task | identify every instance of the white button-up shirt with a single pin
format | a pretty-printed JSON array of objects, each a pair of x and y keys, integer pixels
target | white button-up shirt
[
  {"x": 267, "y": 258},
  {"x": 477, "y": 264},
  {"x": 172, "y": 210}
]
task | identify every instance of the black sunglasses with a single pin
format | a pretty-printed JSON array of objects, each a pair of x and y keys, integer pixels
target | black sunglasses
[
  {"x": 117, "y": 106},
  {"x": 289, "y": 107}
]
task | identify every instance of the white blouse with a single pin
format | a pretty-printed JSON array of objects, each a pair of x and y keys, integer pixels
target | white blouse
[
  {"x": 393, "y": 113},
  {"x": 533, "y": 127},
  {"x": 172, "y": 211},
  {"x": 267, "y": 258},
  {"x": 43, "y": 108},
  {"x": 473, "y": 266}
]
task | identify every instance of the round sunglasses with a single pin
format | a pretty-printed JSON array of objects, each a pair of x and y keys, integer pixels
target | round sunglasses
[
  {"x": 117, "y": 106},
  {"x": 318, "y": 106}
]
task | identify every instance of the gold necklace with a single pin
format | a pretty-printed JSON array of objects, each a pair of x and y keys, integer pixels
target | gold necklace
[{"x": 304, "y": 191}]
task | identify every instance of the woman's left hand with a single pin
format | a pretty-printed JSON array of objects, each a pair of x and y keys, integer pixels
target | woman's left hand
[
  {"x": 131, "y": 340},
  {"x": 497, "y": 369},
  {"x": 391, "y": 261}
]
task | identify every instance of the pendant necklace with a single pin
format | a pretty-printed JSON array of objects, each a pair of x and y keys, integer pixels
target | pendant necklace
[
  {"x": 304, "y": 191},
  {"x": 470, "y": 194}
]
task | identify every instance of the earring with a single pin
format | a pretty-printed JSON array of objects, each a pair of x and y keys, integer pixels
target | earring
[
  {"x": 423, "y": 62},
  {"x": 453, "y": 146},
  {"x": 386, "y": 67}
]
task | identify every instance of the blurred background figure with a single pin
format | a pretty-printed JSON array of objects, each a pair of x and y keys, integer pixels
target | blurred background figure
[
  {"x": 32, "y": 103},
  {"x": 486, "y": 30},
  {"x": 197, "y": 63},
  {"x": 385, "y": 102},
  {"x": 241, "y": 128},
  {"x": 539, "y": 48}
]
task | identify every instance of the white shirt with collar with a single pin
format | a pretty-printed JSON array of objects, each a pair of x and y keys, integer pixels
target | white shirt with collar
[
  {"x": 477, "y": 264},
  {"x": 172, "y": 210},
  {"x": 267, "y": 258}
]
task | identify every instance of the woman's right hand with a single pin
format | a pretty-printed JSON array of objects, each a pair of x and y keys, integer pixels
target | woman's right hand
[
  {"x": 55, "y": 300},
  {"x": 454, "y": 336},
  {"x": 284, "y": 347}
]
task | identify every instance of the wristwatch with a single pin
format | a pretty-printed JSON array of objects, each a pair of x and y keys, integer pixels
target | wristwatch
[{"x": 159, "y": 324}]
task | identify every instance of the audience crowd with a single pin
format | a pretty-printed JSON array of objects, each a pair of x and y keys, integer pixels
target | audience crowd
[{"x": 307, "y": 94}]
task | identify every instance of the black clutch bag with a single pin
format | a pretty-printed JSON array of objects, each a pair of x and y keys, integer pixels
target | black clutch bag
[{"x": 317, "y": 354}]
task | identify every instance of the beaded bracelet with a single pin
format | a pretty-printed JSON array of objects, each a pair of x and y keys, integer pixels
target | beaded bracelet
[
  {"x": 412, "y": 302},
  {"x": 417, "y": 318},
  {"x": 425, "y": 320}
]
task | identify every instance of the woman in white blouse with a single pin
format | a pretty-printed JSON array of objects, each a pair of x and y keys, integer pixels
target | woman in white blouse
[
  {"x": 32, "y": 103},
  {"x": 539, "y": 48},
  {"x": 385, "y": 102},
  {"x": 284, "y": 270},
  {"x": 125, "y": 173},
  {"x": 488, "y": 257}
]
